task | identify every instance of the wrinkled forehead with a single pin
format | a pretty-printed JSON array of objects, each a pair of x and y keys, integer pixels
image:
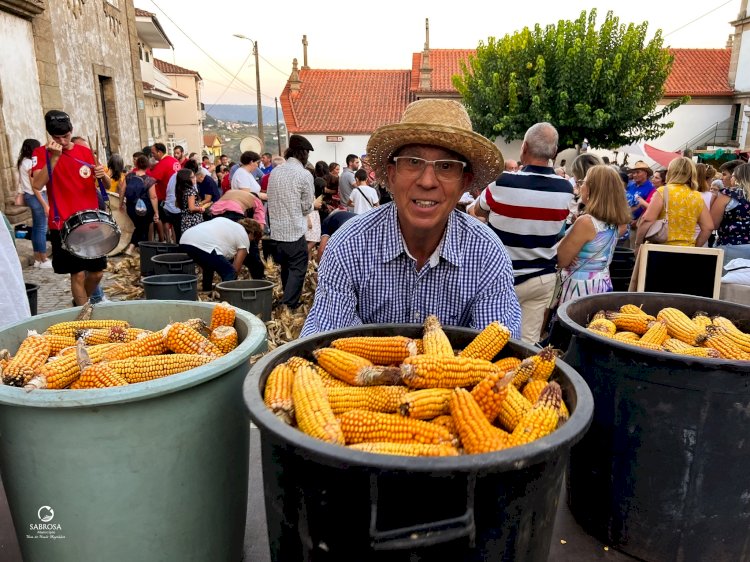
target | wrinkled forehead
[{"x": 432, "y": 150}]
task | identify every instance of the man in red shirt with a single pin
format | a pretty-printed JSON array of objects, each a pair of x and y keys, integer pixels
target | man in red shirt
[
  {"x": 166, "y": 166},
  {"x": 71, "y": 189},
  {"x": 179, "y": 155}
]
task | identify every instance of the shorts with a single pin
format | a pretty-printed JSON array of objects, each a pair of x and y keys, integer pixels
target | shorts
[{"x": 65, "y": 262}]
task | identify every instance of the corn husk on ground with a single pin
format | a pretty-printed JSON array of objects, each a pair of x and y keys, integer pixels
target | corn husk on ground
[{"x": 387, "y": 395}]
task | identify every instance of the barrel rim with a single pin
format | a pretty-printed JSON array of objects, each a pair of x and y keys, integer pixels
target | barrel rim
[
  {"x": 515, "y": 458},
  {"x": 187, "y": 278},
  {"x": 86, "y": 398},
  {"x": 263, "y": 285},
  {"x": 580, "y": 331},
  {"x": 159, "y": 258}
]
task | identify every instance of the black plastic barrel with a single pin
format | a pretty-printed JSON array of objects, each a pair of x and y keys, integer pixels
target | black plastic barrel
[
  {"x": 664, "y": 472},
  {"x": 255, "y": 296},
  {"x": 32, "y": 290},
  {"x": 173, "y": 263},
  {"x": 329, "y": 503},
  {"x": 621, "y": 268},
  {"x": 148, "y": 250},
  {"x": 171, "y": 286}
]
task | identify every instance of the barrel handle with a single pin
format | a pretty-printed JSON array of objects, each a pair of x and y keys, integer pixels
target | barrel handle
[
  {"x": 174, "y": 266},
  {"x": 252, "y": 292},
  {"x": 425, "y": 534},
  {"x": 185, "y": 287}
]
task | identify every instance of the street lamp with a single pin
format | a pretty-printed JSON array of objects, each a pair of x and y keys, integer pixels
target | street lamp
[{"x": 257, "y": 86}]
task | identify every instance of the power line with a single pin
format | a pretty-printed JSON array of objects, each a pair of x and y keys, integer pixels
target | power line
[
  {"x": 698, "y": 18},
  {"x": 244, "y": 62}
]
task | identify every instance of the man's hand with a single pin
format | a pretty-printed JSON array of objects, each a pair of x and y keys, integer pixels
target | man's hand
[
  {"x": 99, "y": 171},
  {"x": 54, "y": 149}
]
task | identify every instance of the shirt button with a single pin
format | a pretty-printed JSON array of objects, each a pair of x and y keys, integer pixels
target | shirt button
[{"x": 416, "y": 316}]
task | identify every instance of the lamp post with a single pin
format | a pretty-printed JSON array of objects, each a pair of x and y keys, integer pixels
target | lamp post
[{"x": 257, "y": 86}]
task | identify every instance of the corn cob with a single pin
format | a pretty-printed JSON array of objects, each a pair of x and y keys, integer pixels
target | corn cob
[
  {"x": 434, "y": 340},
  {"x": 425, "y": 404},
  {"x": 31, "y": 355},
  {"x": 637, "y": 323},
  {"x": 740, "y": 338},
  {"x": 631, "y": 309},
  {"x": 512, "y": 409},
  {"x": 69, "y": 328},
  {"x": 58, "y": 343},
  {"x": 447, "y": 422},
  {"x": 717, "y": 338},
  {"x": 327, "y": 378},
  {"x": 706, "y": 352},
  {"x": 277, "y": 395},
  {"x": 656, "y": 333},
  {"x": 507, "y": 363},
  {"x": 701, "y": 320},
  {"x": 545, "y": 365},
  {"x": 374, "y": 398},
  {"x": 643, "y": 345},
  {"x": 477, "y": 434},
  {"x": 198, "y": 325},
  {"x": 87, "y": 310},
  {"x": 295, "y": 362},
  {"x": 183, "y": 339},
  {"x": 524, "y": 370},
  {"x": 140, "y": 369},
  {"x": 599, "y": 315},
  {"x": 407, "y": 449},
  {"x": 488, "y": 343},
  {"x": 312, "y": 409},
  {"x": 5, "y": 358},
  {"x": 679, "y": 325},
  {"x": 223, "y": 314},
  {"x": 361, "y": 426},
  {"x": 420, "y": 346},
  {"x": 533, "y": 390},
  {"x": 150, "y": 344},
  {"x": 388, "y": 350},
  {"x": 132, "y": 334},
  {"x": 97, "y": 336},
  {"x": 603, "y": 326},
  {"x": 491, "y": 392},
  {"x": 541, "y": 420},
  {"x": 63, "y": 370},
  {"x": 224, "y": 338},
  {"x": 675, "y": 346},
  {"x": 355, "y": 370},
  {"x": 99, "y": 376},
  {"x": 725, "y": 322},
  {"x": 430, "y": 371},
  {"x": 626, "y": 336}
]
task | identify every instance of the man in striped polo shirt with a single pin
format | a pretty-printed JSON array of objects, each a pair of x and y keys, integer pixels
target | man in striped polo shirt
[{"x": 527, "y": 210}]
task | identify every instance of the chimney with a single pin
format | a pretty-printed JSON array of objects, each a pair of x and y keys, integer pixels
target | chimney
[
  {"x": 294, "y": 81},
  {"x": 425, "y": 71},
  {"x": 304, "y": 53},
  {"x": 730, "y": 41}
]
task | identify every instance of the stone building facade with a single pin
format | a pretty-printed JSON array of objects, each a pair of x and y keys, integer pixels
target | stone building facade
[{"x": 80, "y": 56}]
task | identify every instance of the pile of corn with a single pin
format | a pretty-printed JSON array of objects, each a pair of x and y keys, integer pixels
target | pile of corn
[
  {"x": 674, "y": 332},
  {"x": 101, "y": 353},
  {"x": 398, "y": 396}
]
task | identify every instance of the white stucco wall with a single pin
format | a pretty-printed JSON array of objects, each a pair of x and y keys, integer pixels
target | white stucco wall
[
  {"x": 742, "y": 80},
  {"x": 20, "y": 83},
  {"x": 335, "y": 151},
  {"x": 690, "y": 120}
]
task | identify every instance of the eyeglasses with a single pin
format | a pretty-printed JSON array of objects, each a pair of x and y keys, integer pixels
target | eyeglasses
[{"x": 413, "y": 167}]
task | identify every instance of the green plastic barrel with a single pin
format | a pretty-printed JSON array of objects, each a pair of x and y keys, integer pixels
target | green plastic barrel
[{"x": 156, "y": 471}]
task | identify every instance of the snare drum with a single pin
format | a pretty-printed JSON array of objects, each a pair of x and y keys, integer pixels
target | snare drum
[{"x": 90, "y": 234}]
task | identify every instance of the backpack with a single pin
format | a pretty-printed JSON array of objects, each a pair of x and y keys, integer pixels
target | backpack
[{"x": 136, "y": 193}]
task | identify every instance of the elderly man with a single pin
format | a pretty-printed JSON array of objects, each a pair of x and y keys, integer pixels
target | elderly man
[
  {"x": 527, "y": 210},
  {"x": 419, "y": 256},
  {"x": 511, "y": 166},
  {"x": 639, "y": 192}
]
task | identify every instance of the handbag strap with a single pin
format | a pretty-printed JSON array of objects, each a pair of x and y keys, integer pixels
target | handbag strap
[
  {"x": 666, "y": 201},
  {"x": 50, "y": 195},
  {"x": 597, "y": 254},
  {"x": 365, "y": 197}
]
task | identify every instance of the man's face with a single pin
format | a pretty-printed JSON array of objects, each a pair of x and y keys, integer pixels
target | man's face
[
  {"x": 155, "y": 153},
  {"x": 63, "y": 140},
  {"x": 266, "y": 160},
  {"x": 425, "y": 201},
  {"x": 354, "y": 166},
  {"x": 640, "y": 176},
  {"x": 726, "y": 178},
  {"x": 511, "y": 166},
  {"x": 178, "y": 153},
  {"x": 224, "y": 160}
]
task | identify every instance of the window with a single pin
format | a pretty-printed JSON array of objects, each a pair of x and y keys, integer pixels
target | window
[
  {"x": 140, "y": 51},
  {"x": 151, "y": 119},
  {"x": 146, "y": 55},
  {"x": 158, "y": 127}
]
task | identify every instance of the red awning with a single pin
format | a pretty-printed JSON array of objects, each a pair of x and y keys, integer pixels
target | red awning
[{"x": 662, "y": 157}]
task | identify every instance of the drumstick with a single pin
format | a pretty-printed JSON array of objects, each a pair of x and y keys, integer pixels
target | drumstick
[{"x": 91, "y": 147}]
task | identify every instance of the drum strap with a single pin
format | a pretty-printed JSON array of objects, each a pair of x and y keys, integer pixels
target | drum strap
[
  {"x": 57, "y": 222},
  {"x": 99, "y": 181}
]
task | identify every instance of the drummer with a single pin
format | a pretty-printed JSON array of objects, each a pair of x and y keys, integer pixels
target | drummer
[
  {"x": 72, "y": 188},
  {"x": 418, "y": 255}
]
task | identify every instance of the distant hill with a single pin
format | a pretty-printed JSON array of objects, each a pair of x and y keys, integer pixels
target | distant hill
[{"x": 246, "y": 113}]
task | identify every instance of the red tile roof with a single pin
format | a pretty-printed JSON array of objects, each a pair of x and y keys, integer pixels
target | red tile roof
[
  {"x": 143, "y": 13},
  {"x": 699, "y": 73},
  {"x": 169, "y": 68},
  {"x": 345, "y": 101},
  {"x": 444, "y": 63},
  {"x": 209, "y": 140}
]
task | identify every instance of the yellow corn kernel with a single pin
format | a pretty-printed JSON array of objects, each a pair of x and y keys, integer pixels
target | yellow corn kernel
[
  {"x": 599, "y": 315},
  {"x": 545, "y": 365},
  {"x": 132, "y": 334},
  {"x": 679, "y": 325},
  {"x": 507, "y": 363},
  {"x": 223, "y": 314},
  {"x": 701, "y": 320},
  {"x": 420, "y": 346},
  {"x": 97, "y": 336},
  {"x": 477, "y": 434},
  {"x": 99, "y": 376},
  {"x": 512, "y": 408},
  {"x": 631, "y": 309},
  {"x": 407, "y": 449},
  {"x": 277, "y": 395},
  {"x": 643, "y": 345},
  {"x": 355, "y": 370},
  {"x": 656, "y": 333},
  {"x": 425, "y": 404},
  {"x": 524, "y": 370},
  {"x": 386, "y": 350},
  {"x": 488, "y": 343},
  {"x": 58, "y": 343},
  {"x": 312, "y": 409},
  {"x": 60, "y": 372},
  {"x": 731, "y": 332},
  {"x": 224, "y": 338},
  {"x": 603, "y": 326},
  {"x": 198, "y": 325},
  {"x": 183, "y": 339},
  {"x": 541, "y": 420},
  {"x": 431, "y": 371},
  {"x": 674, "y": 345},
  {"x": 31, "y": 355},
  {"x": 726, "y": 323},
  {"x": 434, "y": 340},
  {"x": 360, "y": 426},
  {"x": 141, "y": 369},
  {"x": 491, "y": 391},
  {"x": 626, "y": 336},
  {"x": 637, "y": 323},
  {"x": 374, "y": 398},
  {"x": 447, "y": 422},
  {"x": 705, "y": 352},
  {"x": 150, "y": 344},
  {"x": 533, "y": 390},
  {"x": 718, "y": 338},
  {"x": 69, "y": 328}
]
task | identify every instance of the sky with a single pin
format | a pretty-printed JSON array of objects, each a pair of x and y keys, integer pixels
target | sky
[{"x": 383, "y": 34}]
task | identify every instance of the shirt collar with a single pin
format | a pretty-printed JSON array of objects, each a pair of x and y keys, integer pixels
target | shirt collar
[{"x": 448, "y": 249}]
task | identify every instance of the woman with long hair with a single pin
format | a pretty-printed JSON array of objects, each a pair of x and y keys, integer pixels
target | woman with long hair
[
  {"x": 135, "y": 187},
  {"x": 584, "y": 254},
  {"x": 684, "y": 207},
  {"x": 579, "y": 167},
  {"x": 36, "y": 201},
  {"x": 731, "y": 215},
  {"x": 186, "y": 199},
  {"x": 115, "y": 169},
  {"x": 659, "y": 178}
]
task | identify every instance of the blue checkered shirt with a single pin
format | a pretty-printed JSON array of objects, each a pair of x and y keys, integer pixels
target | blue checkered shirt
[{"x": 367, "y": 277}]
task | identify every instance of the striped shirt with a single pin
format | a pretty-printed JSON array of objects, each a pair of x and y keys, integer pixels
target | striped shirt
[
  {"x": 367, "y": 277},
  {"x": 290, "y": 199},
  {"x": 528, "y": 211}
]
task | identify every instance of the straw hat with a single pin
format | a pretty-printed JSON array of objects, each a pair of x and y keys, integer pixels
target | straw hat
[
  {"x": 443, "y": 123},
  {"x": 641, "y": 165}
]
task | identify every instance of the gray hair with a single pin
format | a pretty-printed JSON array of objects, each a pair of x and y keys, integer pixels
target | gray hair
[
  {"x": 582, "y": 163},
  {"x": 541, "y": 141}
]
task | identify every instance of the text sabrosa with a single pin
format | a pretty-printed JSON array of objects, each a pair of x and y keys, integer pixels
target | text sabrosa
[{"x": 45, "y": 527}]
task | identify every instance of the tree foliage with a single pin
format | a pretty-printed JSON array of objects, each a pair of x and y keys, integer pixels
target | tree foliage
[{"x": 600, "y": 83}]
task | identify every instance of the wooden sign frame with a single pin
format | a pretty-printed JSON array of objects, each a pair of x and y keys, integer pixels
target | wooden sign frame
[{"x": 653, "y": 249}]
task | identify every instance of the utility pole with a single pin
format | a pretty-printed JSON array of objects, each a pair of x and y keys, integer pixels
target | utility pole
[
  {"x": 278, "y": 129},
  {"x": 260, "y": 104}
]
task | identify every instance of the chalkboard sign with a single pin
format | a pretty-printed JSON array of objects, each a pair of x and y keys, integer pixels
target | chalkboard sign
[{"x": 680, "y": 269}]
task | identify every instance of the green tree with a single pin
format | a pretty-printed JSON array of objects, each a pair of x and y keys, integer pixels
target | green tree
[{"x": 601, "y": 83}]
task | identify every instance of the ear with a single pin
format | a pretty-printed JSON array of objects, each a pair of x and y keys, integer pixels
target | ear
[
  {"x": 468, "y": 179},
  {"x": 391, "y": 174}
]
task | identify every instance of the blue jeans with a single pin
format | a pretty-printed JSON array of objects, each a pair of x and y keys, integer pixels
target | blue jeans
[
  {"x": 210, "y": 263},
  {"x": 39, "y": 227},
  {"x": 97, "y": 296}
]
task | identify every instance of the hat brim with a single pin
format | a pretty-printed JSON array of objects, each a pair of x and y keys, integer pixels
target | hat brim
[{"x": 484, "y": 156}]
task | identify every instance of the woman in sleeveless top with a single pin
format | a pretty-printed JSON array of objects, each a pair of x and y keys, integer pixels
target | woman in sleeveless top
[
  {"x": 585, "y": 252},
  {"x": 731, "y": 214}
]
